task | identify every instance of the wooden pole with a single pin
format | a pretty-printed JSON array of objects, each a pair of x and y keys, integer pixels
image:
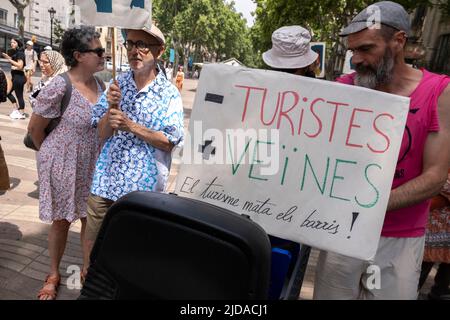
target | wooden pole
[{"x": 113, "y": 42}]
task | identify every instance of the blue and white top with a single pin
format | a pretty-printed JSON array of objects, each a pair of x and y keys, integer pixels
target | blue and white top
[{"x": 126, "y": 162}]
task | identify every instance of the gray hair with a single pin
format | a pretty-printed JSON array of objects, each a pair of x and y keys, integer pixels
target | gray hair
[{"x": 77, "y": 39}]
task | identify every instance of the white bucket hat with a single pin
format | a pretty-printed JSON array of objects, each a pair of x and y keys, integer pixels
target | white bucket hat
[{"x": 290, "y": 49}]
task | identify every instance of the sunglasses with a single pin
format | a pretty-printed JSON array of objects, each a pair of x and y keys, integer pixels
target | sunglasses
[
  {"x": 140, "y": 45},
  {"x": 98, "y": 51}
]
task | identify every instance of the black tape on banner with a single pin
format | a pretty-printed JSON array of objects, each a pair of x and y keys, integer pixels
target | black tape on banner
[{"x": 214, "y": 98}]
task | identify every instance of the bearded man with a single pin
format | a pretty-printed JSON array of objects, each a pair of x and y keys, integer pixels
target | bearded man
[{"x": 377, "y": 37}]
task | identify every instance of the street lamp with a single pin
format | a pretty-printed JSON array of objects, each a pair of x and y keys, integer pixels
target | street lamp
[{"x": 52, "y": 15}]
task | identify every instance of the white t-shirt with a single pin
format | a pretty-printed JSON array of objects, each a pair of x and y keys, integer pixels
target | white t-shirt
[
  {"x": 30, "y": 58},
  {"x": 169, "y": 72}
]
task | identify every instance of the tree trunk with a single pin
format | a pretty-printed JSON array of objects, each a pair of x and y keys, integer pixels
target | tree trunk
[
  {"x": 20, "y": 6},
  {"x": 187, "y": 51},
  {"x": 21, "y": 21}
]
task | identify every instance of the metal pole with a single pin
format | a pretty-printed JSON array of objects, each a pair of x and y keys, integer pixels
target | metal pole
[{"x": 51, "y": 32}]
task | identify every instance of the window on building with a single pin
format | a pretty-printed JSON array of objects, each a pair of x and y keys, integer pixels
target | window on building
[
  {"x": 16, "y": 21},
  {"x": 442, "y": 58},
  {"x": 3, "y": 15},
  {"x": 3, "y": 44}
]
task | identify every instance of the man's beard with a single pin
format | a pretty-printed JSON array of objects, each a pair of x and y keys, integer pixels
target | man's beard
[{"x": 373, "y": 76}]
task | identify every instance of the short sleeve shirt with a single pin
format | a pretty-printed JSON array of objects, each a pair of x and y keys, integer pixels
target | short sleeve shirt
[{"x": 126, "y": 162}]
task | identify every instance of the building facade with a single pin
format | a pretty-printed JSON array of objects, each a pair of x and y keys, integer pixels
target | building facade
[
  {"x": 37, "y": 20},
  {"x": 429, "y": 44},
  {"x": 436, "y": 40}
]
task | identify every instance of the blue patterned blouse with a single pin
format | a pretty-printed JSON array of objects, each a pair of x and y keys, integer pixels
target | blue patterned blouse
[{"x": 126, "y": 162}]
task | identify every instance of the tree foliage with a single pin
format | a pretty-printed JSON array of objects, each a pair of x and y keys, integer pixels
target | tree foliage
[
  {"x": 58, "y": 31},
  {"x": 324, "y": 18},
  {"x": 204, "y": 29}
]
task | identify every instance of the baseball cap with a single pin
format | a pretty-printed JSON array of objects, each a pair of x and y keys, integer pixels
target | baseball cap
[
  {"x": 385, "y": 12},
  {"x": 291, "y": 49},
  {"x": 156, "y": 33}
]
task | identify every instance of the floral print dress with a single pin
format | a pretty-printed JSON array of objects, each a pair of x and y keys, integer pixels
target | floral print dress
[{"x": 67, "y": 156}]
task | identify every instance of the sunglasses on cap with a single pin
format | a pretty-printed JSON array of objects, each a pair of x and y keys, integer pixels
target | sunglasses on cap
[{"x": 99, "y": 51}]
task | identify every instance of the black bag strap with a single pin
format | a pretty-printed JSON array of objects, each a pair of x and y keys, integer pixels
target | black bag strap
[
  {"x": 64, "y": 103},
  {"x": 68, "y": 94}
]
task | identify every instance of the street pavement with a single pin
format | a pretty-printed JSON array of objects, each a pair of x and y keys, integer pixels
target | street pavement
[{"x": 24, "y": 258}]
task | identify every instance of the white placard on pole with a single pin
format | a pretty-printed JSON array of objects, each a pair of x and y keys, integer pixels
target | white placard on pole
[{"x": 309, "y": 160}]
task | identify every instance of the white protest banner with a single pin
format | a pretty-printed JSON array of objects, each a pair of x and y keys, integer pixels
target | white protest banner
[
  {"x": 131, "y": 14},
  {"x": 309, "y": 160}
]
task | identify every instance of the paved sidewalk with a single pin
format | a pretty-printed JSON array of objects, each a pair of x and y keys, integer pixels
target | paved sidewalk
[{"x": 24, "y": 259}]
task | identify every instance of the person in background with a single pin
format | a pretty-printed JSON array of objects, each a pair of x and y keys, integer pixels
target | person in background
[
  {"x": 4, "y": 86},
  {"x": 437, "y": 245},
  {"x": 179, "y": 78},
  {"x": 66, "y": 157},
  {"x": 16, "y": 58},
  {"x": 169, "y": 72},
  {"x": 30, "y": 64},
  {"x": 291, "y": 52},
  {"x": 52, "y": 64},
  {"x": 4, "y": 174}
]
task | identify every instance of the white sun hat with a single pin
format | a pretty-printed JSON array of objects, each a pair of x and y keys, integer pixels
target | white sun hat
[{"x": 290, "y": 49}]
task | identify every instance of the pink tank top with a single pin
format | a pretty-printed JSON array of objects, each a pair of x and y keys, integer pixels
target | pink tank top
[{"x": 422, "y": 119}]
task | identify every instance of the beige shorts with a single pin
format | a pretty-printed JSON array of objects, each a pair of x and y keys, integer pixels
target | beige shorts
[
  {"x": 96, "y": 211},
  {"x": 393, "y": 275}
]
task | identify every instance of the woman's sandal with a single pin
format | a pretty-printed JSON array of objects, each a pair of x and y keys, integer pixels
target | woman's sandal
[{"x": 50, "y": 280}]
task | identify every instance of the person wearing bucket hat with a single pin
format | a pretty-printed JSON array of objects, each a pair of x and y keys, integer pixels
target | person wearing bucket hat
[
  {"x": 291, "y": 51},
  {"x": 31, "y": 60},
  {"x": 145, "y": 111},
  {"x": 377, "y": 37}
]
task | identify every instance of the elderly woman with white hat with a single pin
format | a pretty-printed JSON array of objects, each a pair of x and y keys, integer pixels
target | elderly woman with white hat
[{"x": 291, "y": 51}]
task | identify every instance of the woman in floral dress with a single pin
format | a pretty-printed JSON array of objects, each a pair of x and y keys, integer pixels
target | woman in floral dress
[
  {"x": 67, "y": 156},
  {"x": 437, "y": 245}
]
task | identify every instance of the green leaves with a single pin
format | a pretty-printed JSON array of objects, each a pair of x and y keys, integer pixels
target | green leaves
[
  {"x": 204, "y": 29},
  {"x": 324, "y": 18}
]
